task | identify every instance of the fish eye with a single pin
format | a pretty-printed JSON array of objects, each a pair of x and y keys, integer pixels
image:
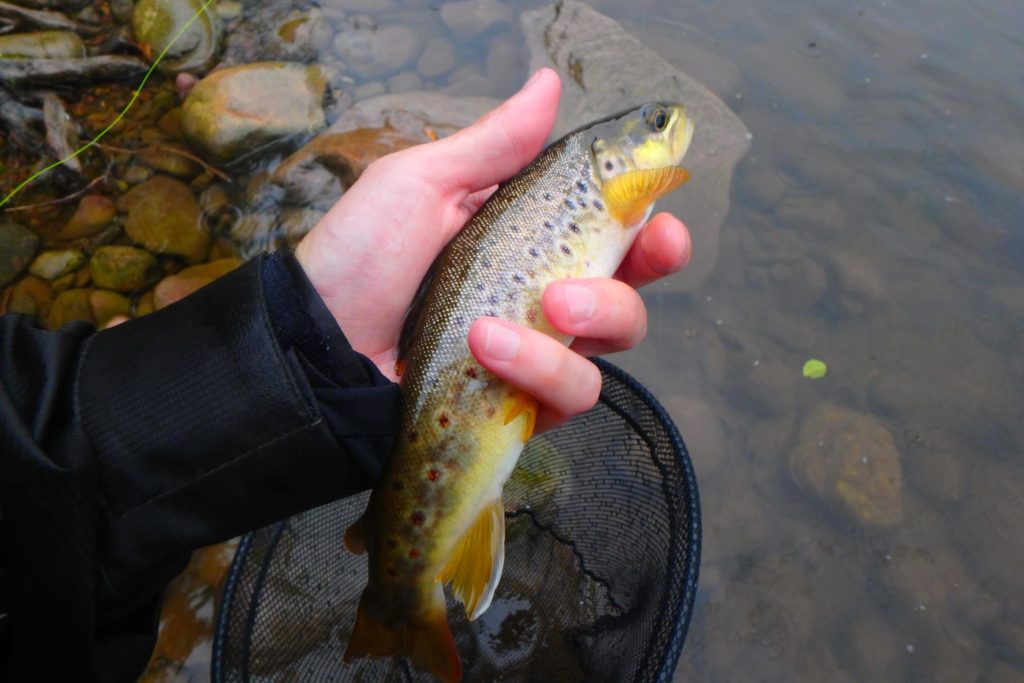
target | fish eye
[
  {"x": 660, "y": 120},
  {"x": 656, "y": 118}
]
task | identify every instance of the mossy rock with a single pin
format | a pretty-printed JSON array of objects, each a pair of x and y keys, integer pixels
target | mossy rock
[
  {"x": 124, "y": 269},
  {"x": 164, "y": 217}
]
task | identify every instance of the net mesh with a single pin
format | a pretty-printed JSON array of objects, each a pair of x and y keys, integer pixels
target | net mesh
[{"x": 602, "y": 552}]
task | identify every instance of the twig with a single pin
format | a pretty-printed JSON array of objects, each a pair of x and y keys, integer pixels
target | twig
[
  {"x": 172, "y": 150},
  {"x": 53, "y": 202}
]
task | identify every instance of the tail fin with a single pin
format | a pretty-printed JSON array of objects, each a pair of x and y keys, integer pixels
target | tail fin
[{"x": 424, "y": 639}]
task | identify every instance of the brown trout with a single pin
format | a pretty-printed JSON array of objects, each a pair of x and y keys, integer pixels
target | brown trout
[{"x": 437, "y": 516}]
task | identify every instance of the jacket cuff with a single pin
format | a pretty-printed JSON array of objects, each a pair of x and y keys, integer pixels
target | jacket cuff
[{"x": 205, "y": 425}]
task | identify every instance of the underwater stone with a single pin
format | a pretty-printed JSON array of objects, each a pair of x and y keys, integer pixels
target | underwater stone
[
  {"x": 53, "y": 264},
  {"x": 164, "y": 217},
  {"x": 438, "y": 58},
  {"x": 17, "y": 247},
  {"x": 68, "y": 307},
  {"x": 123, "y": 269},
  {"x": 236, "y": 110},
  {"x": 372, "y": 53},
  {"x": 42, "y": 45},
  {"x": 156, "y": 22},
  {"x": 469, "y": 18}
]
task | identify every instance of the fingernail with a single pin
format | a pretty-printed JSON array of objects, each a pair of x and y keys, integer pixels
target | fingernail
[
  {"x": 533, "y": 78},
  {"x": 501, "y": 343},
  {"x": 580, "y": 301}
]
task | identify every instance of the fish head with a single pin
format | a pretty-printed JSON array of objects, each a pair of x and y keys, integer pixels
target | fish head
[{"x": 636, "y": 157}]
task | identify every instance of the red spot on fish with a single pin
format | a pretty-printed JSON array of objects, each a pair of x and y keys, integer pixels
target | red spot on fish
[
  {"x": 417, "y": 518},
  {"x": 531, "y": 315},
  {"x": 490, "y": 411},
  {"x": 413, "y": 435},
  {"x": 398, "y": 485},
  {"x": 471, "y": 372},
  {"x": 414, "y": 553},
  {"x": 444, "y": 421},
  {"x": 433, "y": 474}
]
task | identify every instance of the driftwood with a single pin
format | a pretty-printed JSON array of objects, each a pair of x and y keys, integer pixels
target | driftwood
[
  {"x": 41, "y": 73},
  {"x": 17, "y": 120},
  {"x": 61, "y": 136},
  {"x": 41, "y": 18}
]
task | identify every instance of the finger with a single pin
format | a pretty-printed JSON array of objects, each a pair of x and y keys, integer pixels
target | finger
[
  {"x": 663, "y": 247},
  {"x": 472, "y": 203},
  {"x": 604, "y": 315},
  {"x": 500, "y": 143},
  {"x": 564, "y": 382}
]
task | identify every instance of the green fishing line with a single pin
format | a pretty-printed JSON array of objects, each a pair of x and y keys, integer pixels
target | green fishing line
[{"x": 99, "y": 136}]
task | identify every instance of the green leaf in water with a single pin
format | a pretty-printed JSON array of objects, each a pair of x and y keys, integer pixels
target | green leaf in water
[{"x": 815, "y": 369}]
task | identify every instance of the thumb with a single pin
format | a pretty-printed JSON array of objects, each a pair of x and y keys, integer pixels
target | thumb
[{"x": 500, "y": 143}]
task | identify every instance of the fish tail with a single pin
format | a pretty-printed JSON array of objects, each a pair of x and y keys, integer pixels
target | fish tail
[{"x": 426, "y": 639}]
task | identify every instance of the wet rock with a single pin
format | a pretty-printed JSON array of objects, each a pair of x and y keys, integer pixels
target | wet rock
[
  {"x": 819, "y": 216},
  {"x": 107, "y": 305},
  {"x": 176, "y": 287},
  {"x": 319, "y": 172},
  {"x": 42, "y": 73},
  {"x": 861, "y": 285},
  {"x": 368, "y": 90},
  {"x": 42, "y": 45},
  {"x": 704, "y": 434},
  {"x": 17, "y": 248},
  {"x": 849, "y": 459},
  {"x": 164, "y": 217},
  {"x": 506, "y": 64},
  {"x": 170, "y": 123},
  {"x": 988, "y": 533},
  {"x": 372, "y": 53},
  {"x": 53, "y": 264},
  {"x": 302, "y": 36},
  {"x": 468, "y": 81},
  {"x": 31, "y": 296},
  {"x": 238, "y": 109},
  {"x": 296, "y": 222},
  {"x": 438, "y": 58},
  {"x": 469, "y": 18},
  {"x": 1001, "y": 672},
  {"x": 69, "y": 306},
  {"x": 170, "y": 158},
  {"x": 763, "y": 184},
  {"x": 602, "y": 66},
  {"x": 136, "y": 174},
  {"x": 157, "y": 22},
  {"x": 214, "y": 199},
  {"x": 404, "y": 82},
  {"x": 363, "y": 6},
  {"x": 799, "y": 285},
  {"x": 123, "y": 269}
]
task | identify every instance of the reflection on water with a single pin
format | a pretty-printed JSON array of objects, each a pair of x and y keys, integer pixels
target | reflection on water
[{"x": 865, "y": 526}]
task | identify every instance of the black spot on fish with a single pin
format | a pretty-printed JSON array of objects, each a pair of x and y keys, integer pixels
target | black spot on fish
[
  {"x": 583, "y": 203},
  {"x": 581, "y": 186},
  {"x": 547, "y": 196},
  {"x": 514, "y": 228},
  {"x": 566, "y": 250},
  {"x": 608, "y": 165},
  {"x": 398, "y": 485},
  {"x": 598, "y": 205},
  {"x": 569, "y": 205},
  {"x": 471, "y": 372},
  {"x": 492, "y": 299},
  {"x": 549, "y": 225},
  {"x": 519, "y": 278},
  {"x": 392, "y": 542},
  {"x": 575, "y": 228},
  {"x": 417, "y": 518},
  {"x": 480, "y": 287},
  {"x": 485, "y": 262},
  {"x": 533, "y": 252}
]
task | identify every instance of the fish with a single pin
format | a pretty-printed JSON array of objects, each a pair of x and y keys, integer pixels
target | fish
[{"x": 436, "y": 516}]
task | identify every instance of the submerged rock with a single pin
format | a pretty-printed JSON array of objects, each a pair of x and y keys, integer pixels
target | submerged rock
[
  {"x": 178, "y": 286},
  {"x": 164, "y": 217},
  {"x": 157, "y": 22},
  {"x": 849, "y": 459},
  {"x": 603, "y": 69},
  {"x": 106, "y": 305},
  {"x": 31, "y": 296},
  {"x": 123, "y": 269},
  {"x": 94, "y": 213},
  {"x": 469, "y": 18},
  {"x": 17, "y": 248},
  {"x": 236, "y": 110},
  {"x": 438, "y": 58},
  {"x": 42, "y": 45},
  {"x": 371, "y": 52},
  {"x": 53, "y": 264},
  {"x": 170, "y": 158},
  {"x": 70, "y": 306}
]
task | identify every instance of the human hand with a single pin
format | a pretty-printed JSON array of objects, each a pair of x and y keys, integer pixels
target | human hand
[{"x": 367, "y": 256}]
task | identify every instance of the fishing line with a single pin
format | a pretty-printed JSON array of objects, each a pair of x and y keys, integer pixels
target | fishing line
[{"x": 99, "y": 136}]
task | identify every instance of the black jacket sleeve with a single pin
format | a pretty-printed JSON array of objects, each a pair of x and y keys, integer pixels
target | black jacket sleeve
[{"x": 124, "y": 450}]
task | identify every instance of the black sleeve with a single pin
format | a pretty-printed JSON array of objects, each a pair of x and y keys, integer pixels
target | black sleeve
[{"x": 124, "y": 450}]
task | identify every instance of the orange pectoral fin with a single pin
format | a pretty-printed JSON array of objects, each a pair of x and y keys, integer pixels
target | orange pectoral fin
[
  {"x": 424, "y": 639},
  {"x": 476, "y": 563},
  {"x": 628, "y": 195},
  {"x": 522, "y": 403}
]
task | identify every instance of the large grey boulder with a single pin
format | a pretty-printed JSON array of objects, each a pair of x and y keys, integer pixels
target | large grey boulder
[{"x": 605, "y": 69}]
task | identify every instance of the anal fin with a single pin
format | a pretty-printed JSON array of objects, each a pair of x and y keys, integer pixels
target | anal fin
[
  {"x": 355, "y": 536},
  {"x": 474, "y": 568}
]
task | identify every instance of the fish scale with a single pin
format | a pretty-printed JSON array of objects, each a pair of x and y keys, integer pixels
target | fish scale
[{"x": 436, "y": 514}]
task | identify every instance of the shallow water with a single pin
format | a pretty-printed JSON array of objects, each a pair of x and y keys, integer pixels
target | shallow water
[{"x": 874, "y": 224}]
